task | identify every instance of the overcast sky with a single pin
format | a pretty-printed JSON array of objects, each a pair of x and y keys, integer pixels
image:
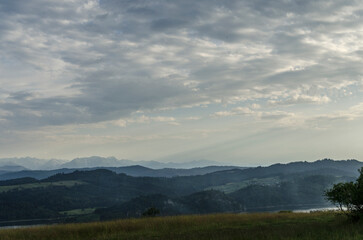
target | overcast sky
[{"x": 243, "y": 82}]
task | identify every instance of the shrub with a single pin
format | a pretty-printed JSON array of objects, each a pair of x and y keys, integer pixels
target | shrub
[
  {"x": 151, "y": 212},
  {"x": 348, "y": 196}
]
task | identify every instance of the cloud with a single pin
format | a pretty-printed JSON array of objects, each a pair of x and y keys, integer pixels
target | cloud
[
  {"x": 301, "y": 99},
  {"x": 233, "y": 112},
  {"x": 83, "y": 62},
  {"x": 123, "y": 122}
]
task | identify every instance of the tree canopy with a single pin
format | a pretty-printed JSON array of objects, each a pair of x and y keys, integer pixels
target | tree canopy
[{"x": 348, "y": 196}]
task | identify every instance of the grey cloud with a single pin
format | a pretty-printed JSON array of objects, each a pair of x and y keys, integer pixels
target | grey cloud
[
  {"x": 98, "y": 101},
  {"x": 124, "y": 56},
  {"x": 167, "y": 23}
]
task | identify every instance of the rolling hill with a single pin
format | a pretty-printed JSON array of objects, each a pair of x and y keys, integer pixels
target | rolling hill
[{"x": 280, "y": 186}]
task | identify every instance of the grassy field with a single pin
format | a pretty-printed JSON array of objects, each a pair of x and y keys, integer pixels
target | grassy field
[
  {"x": 69, "y": 183},
  {"x": 219, "y": 226}
]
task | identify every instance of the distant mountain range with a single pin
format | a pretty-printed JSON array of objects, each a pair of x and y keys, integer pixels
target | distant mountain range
[
  {"x": 200, "y": 190},
  {"x": 11, "y": 168},
  {"x": 135, "y": 171},
  {"x": 95, "y": 161},
  {"x": 32, "y": 163}
]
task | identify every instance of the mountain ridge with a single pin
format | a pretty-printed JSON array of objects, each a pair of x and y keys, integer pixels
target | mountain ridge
[
  {"x": 134, "y": 170},
  {"x": 97, "y": 161}
]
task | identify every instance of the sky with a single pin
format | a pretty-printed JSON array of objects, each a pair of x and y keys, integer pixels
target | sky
[{"x": 234, "y": 81}]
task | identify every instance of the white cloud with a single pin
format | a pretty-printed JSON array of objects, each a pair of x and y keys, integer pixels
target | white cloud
[
  {"x": 123, "y": 122},
  {"x": 301, "y": 99},
  {"x": 233, "y": 112}
]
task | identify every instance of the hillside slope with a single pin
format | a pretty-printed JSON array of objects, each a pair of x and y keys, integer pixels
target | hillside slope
[{"x": 287, "y": 186}]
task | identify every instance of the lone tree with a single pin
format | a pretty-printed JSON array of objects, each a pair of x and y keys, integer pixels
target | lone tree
[{"x": 348, "y": 196}]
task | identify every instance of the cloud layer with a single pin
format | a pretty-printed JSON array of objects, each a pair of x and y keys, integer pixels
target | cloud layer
[{"x": 68, "y": 63}]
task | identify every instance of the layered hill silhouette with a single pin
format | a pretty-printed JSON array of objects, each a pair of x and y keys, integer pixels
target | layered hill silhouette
[
  {"x": 109, "y": 194},
  {"x": 95, "y": 161},
  {"x": 135, "y": 171}
]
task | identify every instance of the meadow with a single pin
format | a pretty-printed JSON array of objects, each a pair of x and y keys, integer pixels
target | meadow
[{"x": 317, "y": 225}]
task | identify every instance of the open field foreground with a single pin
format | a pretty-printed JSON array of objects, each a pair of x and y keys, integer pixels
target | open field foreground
[{"x": 219, "y": 226}]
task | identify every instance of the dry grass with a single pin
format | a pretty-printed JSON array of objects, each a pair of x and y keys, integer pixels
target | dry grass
[{"x": 218, "y": 226}]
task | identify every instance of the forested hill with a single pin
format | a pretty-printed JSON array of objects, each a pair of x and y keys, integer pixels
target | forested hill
[{"x": 280, "y": 186}]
